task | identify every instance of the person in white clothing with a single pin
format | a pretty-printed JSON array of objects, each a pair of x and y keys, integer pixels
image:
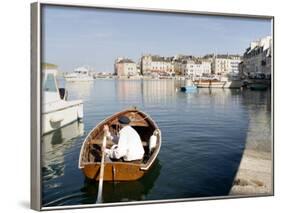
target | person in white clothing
[{"x": 129, "y": 146}]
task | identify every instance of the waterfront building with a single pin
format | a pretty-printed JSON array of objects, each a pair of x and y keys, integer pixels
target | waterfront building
[
  {"x": 161, "y": 64},
  {"x": 234, "y": 64},
  {"x": 178, "y": 66},
  {"x": 190, "y": 65},
  {"x": 124, "y": 67},
  {"x": 220, "y": 64},
  {"x": 257, "y": 59},
  {"x": 145, "y": 64},
  {"x": 225, "y": 64},
  {"x": 197, "y": 68},
  {"x": 156, "y": 64}
]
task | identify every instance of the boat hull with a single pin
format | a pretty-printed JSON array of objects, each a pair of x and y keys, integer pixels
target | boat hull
[
  {"x": 188, "y": 89},
  {"x": 258, "y": 87},
  {"x": 114, "y": 172},
  {"x": 233, "y": 84},
  {"x": 210, "y": 84},
  {"x": 218, "y": 84},
  {"x": 57, "y": 117}
]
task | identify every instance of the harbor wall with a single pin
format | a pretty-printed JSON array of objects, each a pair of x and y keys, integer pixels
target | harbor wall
[{"x": 255, "y": 173}]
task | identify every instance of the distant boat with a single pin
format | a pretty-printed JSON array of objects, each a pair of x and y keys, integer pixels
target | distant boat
[
  {"x": 258, "y": 87},
  {"x": 189, "y": 87},
  {"x": 209, "y": 83},
  {"x": 230, "y": 82},
  {"x": 56, "y": 110},
  {"x": 79, "y": 74},
  {"x": 90, "y": 155}
]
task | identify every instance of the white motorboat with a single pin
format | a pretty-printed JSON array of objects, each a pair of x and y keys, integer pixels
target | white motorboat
[
  {"x": 56, "y": 110},
  {"x": 232, "y": 81},
  {"x": 209, "y": 83},
  {"x": 79, "y": 74}
]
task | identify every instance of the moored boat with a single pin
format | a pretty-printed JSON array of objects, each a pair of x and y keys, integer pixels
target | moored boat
[
  {"x": 189, "y": 87},
  {"x": 258, "y": 87},
  {"x": 80, "y": 74},
  {"x": 57, "y": 111},
  {"x": 90, "y": 153},
  {"x": 232, "y": 81},
  {"x": 209, "y": 83},
  {"x": 233, "y": 84}
]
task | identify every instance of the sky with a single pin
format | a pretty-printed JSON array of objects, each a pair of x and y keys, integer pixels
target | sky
[{"x": 75, "y": 36}]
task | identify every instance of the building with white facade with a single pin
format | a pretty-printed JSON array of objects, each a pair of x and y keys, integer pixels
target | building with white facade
[
  {"x": 160, "y": 64},
  {"x": 145, "y": 64},
  {"x": 190, "y": 65},
  {"x": 225, "y": 64},
  {"x": 234, "y": 65},
  {"x": 124, "y": 67},
  {"x": 257, "y": 58},
  {"x": 156, "y": 64},
  {"x": 197, "y": 68}
]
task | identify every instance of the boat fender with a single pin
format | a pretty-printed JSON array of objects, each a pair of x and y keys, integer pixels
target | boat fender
[
  {"x": 80, "y": 112},
  {"x": 112, "y": 152},
  {"x": 114, "y": 147},
  {"x": 152, "y": 141},
  {"x": 56, "y": 119}
]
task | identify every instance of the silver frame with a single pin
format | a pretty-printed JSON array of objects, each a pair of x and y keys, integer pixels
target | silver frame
[{"x": 36, "y": 97}]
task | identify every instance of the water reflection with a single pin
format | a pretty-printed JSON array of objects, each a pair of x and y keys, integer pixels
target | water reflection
[
  {"x": 258, "y": 104},
  {"x": 54, "y": 148},
  {"x": 149, "y": 91},
  {"x": 80, "y": 90},
  {"x": 126, "y": 89},
  {"x": 158, "y": 92},
  {"x": 123, "y": 191}
]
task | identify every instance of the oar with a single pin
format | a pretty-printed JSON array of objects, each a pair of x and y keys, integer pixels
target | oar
[{"x": 99, "y": 198}]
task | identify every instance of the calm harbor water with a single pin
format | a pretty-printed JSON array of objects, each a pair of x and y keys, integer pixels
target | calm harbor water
[{"x": 203, "y": 137}]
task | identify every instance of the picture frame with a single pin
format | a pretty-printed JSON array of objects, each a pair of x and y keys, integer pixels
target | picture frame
[{"x": 37, "y": 121}]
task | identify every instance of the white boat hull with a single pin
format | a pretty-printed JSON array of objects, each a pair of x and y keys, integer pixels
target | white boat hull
[
  {"x": 210, "y": 85},
  {"x": 55, "y": 116},
  {"x": 219, "y": 84},
  {"x": 233, "y": 84}
]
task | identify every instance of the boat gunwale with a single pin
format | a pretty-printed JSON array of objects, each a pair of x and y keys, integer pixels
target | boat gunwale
[{"x": 72, "y": 103}]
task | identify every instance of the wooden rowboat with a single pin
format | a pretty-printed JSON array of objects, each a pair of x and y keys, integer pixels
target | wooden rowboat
[{"x": 90, "y": 153}]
